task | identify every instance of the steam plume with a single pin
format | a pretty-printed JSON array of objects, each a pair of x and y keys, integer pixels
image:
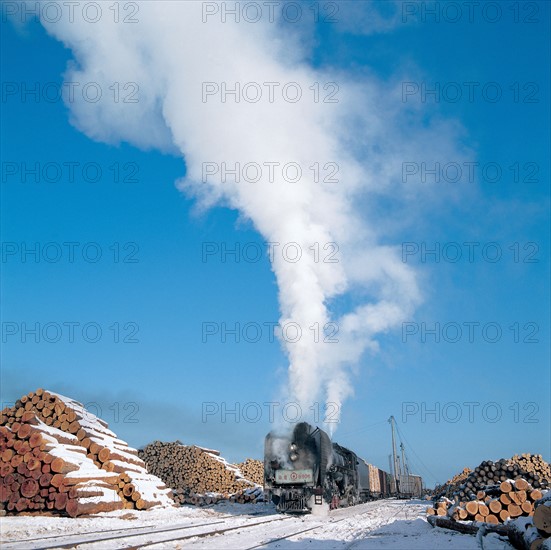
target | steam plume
[{"x": 170, "y": 54}]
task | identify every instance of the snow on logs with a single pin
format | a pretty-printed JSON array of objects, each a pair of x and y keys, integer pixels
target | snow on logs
[
  {"x": 57, "y": 457},
  {"x": 201, "y": 476}
]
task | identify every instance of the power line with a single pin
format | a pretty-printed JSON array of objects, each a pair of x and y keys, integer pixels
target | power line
[
  {"x": 402, "y": 437},
  {"x": 365, "y": 428}
]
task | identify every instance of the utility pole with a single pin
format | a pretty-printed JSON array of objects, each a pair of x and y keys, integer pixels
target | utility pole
[{"x": 394, "y": 454}]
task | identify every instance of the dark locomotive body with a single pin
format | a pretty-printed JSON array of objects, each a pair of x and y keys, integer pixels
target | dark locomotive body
[{"x": 305, "y": 468}]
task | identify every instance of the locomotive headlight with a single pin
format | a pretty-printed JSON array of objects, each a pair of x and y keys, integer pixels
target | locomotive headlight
[
  {"x": 293, "y": 447},
  {"x": 293, "y": 457}
]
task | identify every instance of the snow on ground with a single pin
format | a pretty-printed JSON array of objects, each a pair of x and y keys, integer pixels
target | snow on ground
[{"x": 385, "y": 524}]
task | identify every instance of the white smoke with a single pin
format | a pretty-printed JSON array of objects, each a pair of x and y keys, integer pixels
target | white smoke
[{"x": 170, "y": 53}]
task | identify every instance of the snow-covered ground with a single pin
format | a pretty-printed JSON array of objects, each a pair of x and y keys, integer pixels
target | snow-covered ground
[{"x": 385, "y": 524}]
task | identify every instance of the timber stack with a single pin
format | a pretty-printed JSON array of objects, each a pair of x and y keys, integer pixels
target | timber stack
[
  {"x": 495, "y": 492},
  {"x": 201, "y": 476},
  {"x": 532, "y": 468},
  {"x": 532, "y": 533},
  {"x": 57, "y": 457},
  {"x": 252, "y": 469},
  {"x": 452, "y": 485},
  {"x": 496, "y": 504}
]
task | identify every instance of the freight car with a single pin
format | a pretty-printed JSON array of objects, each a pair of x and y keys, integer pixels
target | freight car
[{"x": 304, "y": 468}]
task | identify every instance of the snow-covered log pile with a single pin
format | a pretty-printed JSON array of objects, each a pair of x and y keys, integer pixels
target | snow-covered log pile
[
  {"x": 56, "y": 456},
  {"x": 253, "y": 469},
  {"x": 496, "y": 504},
  {"x": 532, "y": 532},
  {"x": 199, "y": 476},
  {"x": 464, "y": 486},
  {"x": 495, "y": 492}
]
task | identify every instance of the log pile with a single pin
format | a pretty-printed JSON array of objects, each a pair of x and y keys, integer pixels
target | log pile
[
  {"x": 496, "y": 504},
  {"x": 200, "y": 476},
  {"x": 252, "y": 469},
  {"x": 81, "y": 462},
  {"x": 533, "y": 465},
  {"x": 452, "y": 485},
  {"x": 532, "y": 533},
  {"x": 43, "y": 469},
  {"x": 463, "y": 487},
  {"x": 524, "y": 533}
]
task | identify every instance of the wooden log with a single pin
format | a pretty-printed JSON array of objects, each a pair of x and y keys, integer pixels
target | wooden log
[
  {"x": 7, "y": 455},
  {"x": 35, "y": 439},
  {"x": 24, "y": 431},
  {"x": 104, "y": 454},
  {"x": 34, "y": 464},
  {"x": 472, "y": 507},
  {"x": 75, "y": 508},
  {"x": 447, "y": 523},
  {"x": 5, "y": 469},
  {"x": 61, "y": 500},
  {"x": 495, "y": 506},
  {"x": 505, "y": 487},
  {"x": 60, "y": 466},
  {"x": 514, "y": 510},
  {"x": 45, "y": 480},
  {"x": 22, "y": 504},
  {"x": 16, "y": 460},
  {"x": 29, "y": 488},
  {"x": 483, "y": 510},
  {"x": 57, "y": 480},
  {"x": 521, "y": 485},
  {"x": 542, "y": 518},
  {"x": 74, "y": 427}
]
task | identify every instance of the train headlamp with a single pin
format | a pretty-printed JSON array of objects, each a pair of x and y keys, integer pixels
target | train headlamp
[
  {"x": 293, "y": 457},
  {"x": 293, "y": 447}
]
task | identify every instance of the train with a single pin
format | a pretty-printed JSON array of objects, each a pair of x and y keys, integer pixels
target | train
[{"x": 304, "y": 469}]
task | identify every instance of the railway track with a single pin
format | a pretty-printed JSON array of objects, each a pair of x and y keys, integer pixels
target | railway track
[
  {"x": 131, "y": 537},
  {"x": 289, "y": 536},
  {"x": 386, "y": 521},
  {"x": 147, "y": 536}
]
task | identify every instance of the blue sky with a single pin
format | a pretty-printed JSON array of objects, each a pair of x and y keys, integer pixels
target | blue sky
[{"x": 151, "y": 278}]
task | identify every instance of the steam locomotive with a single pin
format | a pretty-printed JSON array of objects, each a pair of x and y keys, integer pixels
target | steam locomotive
[{"x": 304, "y": 468}]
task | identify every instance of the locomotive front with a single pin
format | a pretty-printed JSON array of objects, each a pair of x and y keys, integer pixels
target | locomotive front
[{"x": 295, "y": 467}]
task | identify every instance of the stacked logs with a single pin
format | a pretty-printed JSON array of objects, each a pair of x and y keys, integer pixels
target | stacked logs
[
  {"x": 532, "y": 533},
  {"x": 252, "y": 469},
  {"x": 36, "y": 477},
  {"x": 524, "y": 533},
  {"x": 531, "y": 468},
  {"x": 199, "y": 476},
  {"x": 533, "y": 465},
  {"x": 89, "y": 437},
  {"x": 508, "y": 500},
  {"x": 452, "y": 485}
]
